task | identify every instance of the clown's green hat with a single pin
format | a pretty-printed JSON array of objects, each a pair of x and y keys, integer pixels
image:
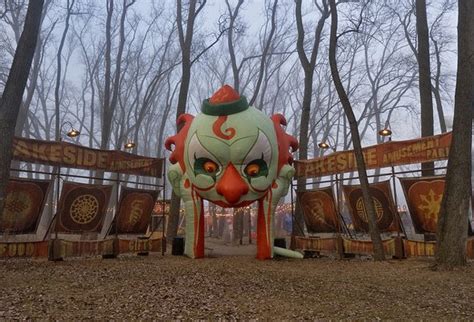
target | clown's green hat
[{"x": 225, "y": 101}]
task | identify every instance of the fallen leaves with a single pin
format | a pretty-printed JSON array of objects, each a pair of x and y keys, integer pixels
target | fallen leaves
[{"x": 231, "y": 287}]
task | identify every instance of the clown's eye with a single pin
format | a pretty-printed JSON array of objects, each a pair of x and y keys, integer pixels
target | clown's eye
[
  {"x": 260, "y": 155},
  {"x": 210, "y": 166},
  {"x": 252, "y": 170},
  {"x": 205, "y": 166},
  {"x": 201, "y": 160},
  {"x": 256, "y": 168}
]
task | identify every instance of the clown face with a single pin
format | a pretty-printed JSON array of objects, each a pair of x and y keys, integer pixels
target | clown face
[
  {"x": 232, "y": 160},
  {"x": 232, "y": 155}
]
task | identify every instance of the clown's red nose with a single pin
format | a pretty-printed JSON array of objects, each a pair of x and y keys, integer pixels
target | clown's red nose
[{"x": 231, "y": 185}]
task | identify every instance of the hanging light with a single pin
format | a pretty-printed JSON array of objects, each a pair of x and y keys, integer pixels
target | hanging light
[
  {"x": 385, "y": 132},
  {"x": 323, "y": 145},
  {"x": 72, "y": 133},
  {"x": 129, "y": 145}
]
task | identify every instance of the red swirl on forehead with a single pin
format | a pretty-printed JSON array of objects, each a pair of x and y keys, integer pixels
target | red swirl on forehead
[{"x": 217, "y": 129}]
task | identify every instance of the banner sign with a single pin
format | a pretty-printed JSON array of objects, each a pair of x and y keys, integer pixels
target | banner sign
[
  {"x": 99, "y": 247},
  {"x": 384, "y": 207},
  {"x": 65, "y": 154},
  {"x": 135, "y": 208},
  {"x": 352, "y": 246},
  {"x": 69, "y": 248},
  {"x": 316, "y": 244},
  {"x": 24, "y": 249},
  {"x": 24, "y": 203},
  {"x": 424, "y": 195},
  {"x": 140, "y": 245},
  {"x": 82, "y": 207},
  {"x": 414, "y": 248},
  {"x": 432, "y": 148},
  {"x": 319, "y": 210}
]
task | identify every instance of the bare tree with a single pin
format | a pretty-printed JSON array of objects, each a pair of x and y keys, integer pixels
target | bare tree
[
  {"x": 440, "y": 40},
  {"x": 185, "y": 35},
  {"x": 233, "y": 13},
  {"x": 43, "y": 38},
  {"x": 59, "y": 58},
  {"x": 266, "y": 49},
  {"x": 426, "y": 100},
  {"x": 112, "y": 87},
  {"x": 453, "y": 219},
  {"x": 308, "y": 64},
  {"x": 361, "y": 168},
  {"x": 91, "y": 54},
  {"x": 13, "y": 92},
  {"x": 185, "y": 41}
]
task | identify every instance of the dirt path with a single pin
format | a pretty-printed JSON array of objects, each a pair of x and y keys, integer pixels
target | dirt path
[
  {"x": 218, "y": 248},
  {"x": 175, "y": 287}
]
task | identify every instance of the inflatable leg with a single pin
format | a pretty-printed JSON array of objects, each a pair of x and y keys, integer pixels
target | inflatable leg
[
  {"x": 194, "y": 247},
  {"x": 265, "y": 227}
]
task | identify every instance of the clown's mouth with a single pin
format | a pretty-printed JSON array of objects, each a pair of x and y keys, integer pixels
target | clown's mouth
[{"x": 224, "y": 204}]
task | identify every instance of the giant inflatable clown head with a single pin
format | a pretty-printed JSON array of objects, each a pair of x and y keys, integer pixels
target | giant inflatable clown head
[{"x": 231, "y": 154}]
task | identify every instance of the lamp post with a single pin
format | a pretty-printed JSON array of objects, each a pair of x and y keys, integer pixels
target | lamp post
[
  {"x": 323, "y": 145},
  {"x": 399, "y": 253},
  {"x": 54, "y": 255},
  {"x": 72, "y": 133},
  {"x": 387, "y": 132},
  {"x": 339, "y": 241},
  {"x": 127, "y": 146},
  {"x": 115, "y": 245}
]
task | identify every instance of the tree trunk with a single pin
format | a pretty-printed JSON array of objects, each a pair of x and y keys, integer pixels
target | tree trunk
[
  {"x": 237, "y": 225},
  {"x": 453, "y": 219},
  {"x": 230, "y": 42},
  {"x": 106, "y": 108},
  {"x": 426, "y": 100},
  {"x": 185, "y": 41},
  {"x": 263, "y": 60},
  {"x": 15, "y": 86},
  {"x": 436, "y": 90},
  {"x": 364, "y": 182},
  {"x": 57, "y": 103},
  {"x": 308, "y": 66},
  {"x": 213, "y": 213}
]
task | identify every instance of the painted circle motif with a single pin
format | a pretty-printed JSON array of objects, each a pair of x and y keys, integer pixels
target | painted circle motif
[
  {"x": 23, "y": 204},
  {"x": 18, "y": 205},
  {"x": 84, "y": 209},
  {"x": 383, "y": 209},
  {"x": 362, "y": 212}
]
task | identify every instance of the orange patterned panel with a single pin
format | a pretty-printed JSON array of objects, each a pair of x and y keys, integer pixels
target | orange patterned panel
[
  {"x": 384, "y": 207},
  {"x": 135, "y": 210},
  {"x": 24, "y": 204},
  {"x": 319, "y": 210},
  {"x": 82, "y": 207},
  {"x": 424, "y": 197}
]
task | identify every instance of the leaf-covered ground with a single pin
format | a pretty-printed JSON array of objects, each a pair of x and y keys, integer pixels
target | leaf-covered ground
[{"x": 232, "y": 287}]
